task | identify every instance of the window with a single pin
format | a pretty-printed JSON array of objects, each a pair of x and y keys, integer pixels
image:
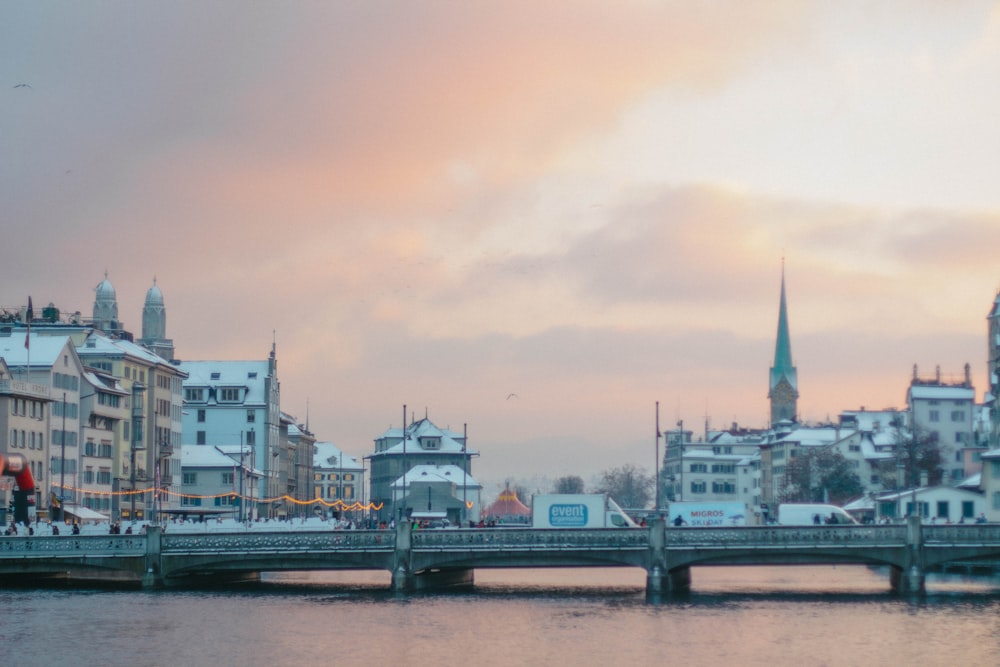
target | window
[
  {"x": 723, "y": 487},
  {"x": 230, "y": 394},
  {"x": 698, "y": 487},
  {"x": 227, "y": 478},
  {"x": 699, "y": 467},
  {"x": 200, "y": 438},
  {"x": 724, "y": 468},
  {"x": 189, "y": 478},
  {"x": 194, "y": 394},
  {"x": 201, "y": 416},
  {"x": 934, "y": 415},
  {"x": 957, "y": 415},
  {"x": 191, "y": 502},
  {"x": 251, "y": 438},
  {"x": 942, "y": 509},
  {"x": 968, "y": 509},
  {"x": 996, "y": 500},
  {"x": 104, "y": 476},
  {"x": 251, "y": 416},
  {"x": 995, "y": 469}
]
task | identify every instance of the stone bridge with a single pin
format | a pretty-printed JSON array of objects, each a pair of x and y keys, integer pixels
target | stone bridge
[{"x": 428, "y": 558}]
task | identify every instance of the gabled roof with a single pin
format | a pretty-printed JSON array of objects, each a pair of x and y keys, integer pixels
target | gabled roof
[
  {"x": 45, "y": 350},
  {"x": 327, "y": 456}
]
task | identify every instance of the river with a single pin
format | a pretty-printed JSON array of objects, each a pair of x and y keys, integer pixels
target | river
[{"x": 800, "y": 616}]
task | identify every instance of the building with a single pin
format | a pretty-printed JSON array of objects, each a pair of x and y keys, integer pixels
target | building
[
  {"x": 943, "y": 411},
  {"x": 295, "y": 466},
  {"x": 152, "y": 436},
  {"x": 990, "y": 484},
  {"x": 24, "y": 425},
  {"x": 337, "y": 477},
  {"x": 237, "y": 403},
  {"x": 212, "y": 482},
  {"x": 399, "y": 450},
  {"x": 430, "y": 492},
  {"x": 50, "y": 361}
]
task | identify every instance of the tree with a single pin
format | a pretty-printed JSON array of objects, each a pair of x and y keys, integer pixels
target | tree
[
  {"x": 820, "y": 475},
  {"x": 918, "y": 455},
  {"x": 628, "y": 485},
  {"x": 569, "y": 484}
]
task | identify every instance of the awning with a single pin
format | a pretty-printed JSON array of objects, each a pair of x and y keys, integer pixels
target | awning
[{"x": 85, "y": 514}]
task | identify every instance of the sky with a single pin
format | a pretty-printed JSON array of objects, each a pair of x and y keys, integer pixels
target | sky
[{"x": 531, "y": 220}]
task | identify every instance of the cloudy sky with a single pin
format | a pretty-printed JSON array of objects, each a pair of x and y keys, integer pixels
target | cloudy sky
[{"x": 585, "y": 204}]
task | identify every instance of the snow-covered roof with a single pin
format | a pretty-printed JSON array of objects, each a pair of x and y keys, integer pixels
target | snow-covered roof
[
  {"x": 98, "y": 344},
  {"x": 327, "y": 455},
  {"x": 45, "y": 350},
  {"x": 249, "y": 374},
  {"x": 450, "y": 474},
  {"x": 206, "y": 456},
  {"x": 808, "y": 436},
  {"x": 938, "y": 392}
]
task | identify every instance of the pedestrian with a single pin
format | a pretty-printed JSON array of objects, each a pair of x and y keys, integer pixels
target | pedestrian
[
  {"x": 55, "y": 529},
  {"x": 76, "y": 528}
]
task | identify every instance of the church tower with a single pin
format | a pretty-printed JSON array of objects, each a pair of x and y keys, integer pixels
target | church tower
[
  {"x": 106, "y": 307},
  {"x": 784, "y": 384},
  {"x": 154, "y": 324}
]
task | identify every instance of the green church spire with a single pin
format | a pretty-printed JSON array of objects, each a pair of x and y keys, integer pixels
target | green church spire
[{"x": 784, "y": 384}]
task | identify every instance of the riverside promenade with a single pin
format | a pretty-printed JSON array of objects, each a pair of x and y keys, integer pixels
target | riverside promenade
[{"x": 419, "y": 559}]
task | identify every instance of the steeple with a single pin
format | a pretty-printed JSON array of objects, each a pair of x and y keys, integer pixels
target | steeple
[
  {"x": 106, "y": 306},
  {"x": 784, "y": 385},
  {"x": 154, "y": 324}
]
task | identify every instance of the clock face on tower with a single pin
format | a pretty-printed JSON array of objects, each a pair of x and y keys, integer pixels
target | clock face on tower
[{"x": 783, "y": 393}]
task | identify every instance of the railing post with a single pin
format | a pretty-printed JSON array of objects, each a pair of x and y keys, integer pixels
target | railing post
[{"x": 402, "y": 576}]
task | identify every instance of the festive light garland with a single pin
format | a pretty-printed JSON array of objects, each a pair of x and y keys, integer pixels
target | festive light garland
[{"x": 355, "y": 506}]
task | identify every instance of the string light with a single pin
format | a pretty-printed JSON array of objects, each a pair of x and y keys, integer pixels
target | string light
[{"x": 339, "y": 504}]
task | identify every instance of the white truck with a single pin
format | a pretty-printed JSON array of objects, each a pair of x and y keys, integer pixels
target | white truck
[
  {"x": 719, "y": 513},
  {"x": 578, "y": 510},
  {"x": 812, "y": 514}
]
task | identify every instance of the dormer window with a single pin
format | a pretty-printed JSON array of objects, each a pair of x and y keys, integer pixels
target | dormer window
[
  {"x": 252, "y": 375},
  {"x": 229, "y": 394},
  {"x": 430, "y": 443}
]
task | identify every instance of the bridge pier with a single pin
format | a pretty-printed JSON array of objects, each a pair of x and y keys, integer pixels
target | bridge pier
[
  {"x": 152, "y": 576},
  {"x": 910, "y": 578},
  {"x": 660, "y": 579}
]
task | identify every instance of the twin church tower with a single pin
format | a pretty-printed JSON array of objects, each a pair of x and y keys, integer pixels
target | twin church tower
[{"x": 154, "y": 317}]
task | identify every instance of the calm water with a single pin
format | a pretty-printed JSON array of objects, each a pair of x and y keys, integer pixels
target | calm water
[{"x": 734, "y": 616}]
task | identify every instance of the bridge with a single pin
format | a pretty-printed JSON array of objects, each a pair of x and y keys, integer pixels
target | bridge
[{"x": 430, "y": 558}]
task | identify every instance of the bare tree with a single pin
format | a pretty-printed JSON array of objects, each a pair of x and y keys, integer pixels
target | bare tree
[
  {"x": 569, "y": 484},
  {"x": 820, "y": 475},
  {"x": 628, "y": 485}
]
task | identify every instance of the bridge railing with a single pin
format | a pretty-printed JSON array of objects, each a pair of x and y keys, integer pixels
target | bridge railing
[
  {"x": 40, "y": 546},
  {"x": 785, "y": 536},
  {"x": 967, "y": 534},
  {"x": 266, "y": 542},
  {"x": 531, "y": 538}
]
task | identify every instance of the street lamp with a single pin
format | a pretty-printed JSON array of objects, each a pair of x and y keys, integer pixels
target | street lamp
[
  {"x": 657, "y": 468},
  {"x": 680, "y": 443},
  {"x": 138, "y": 389}
]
